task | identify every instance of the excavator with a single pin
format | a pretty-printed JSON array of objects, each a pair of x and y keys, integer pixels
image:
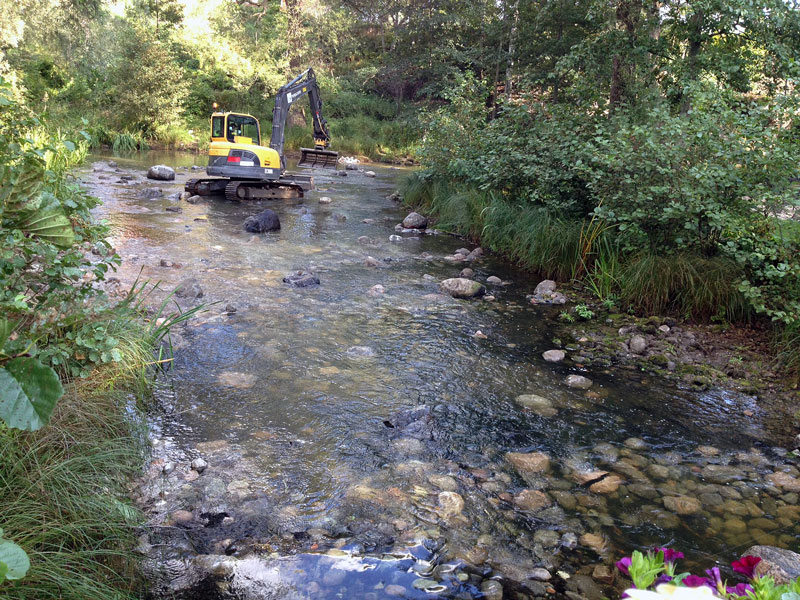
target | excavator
[{"x": 241, "y": 168}]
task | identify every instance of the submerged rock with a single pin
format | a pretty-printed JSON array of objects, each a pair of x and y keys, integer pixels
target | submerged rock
[
  {"x": 537, "y": 404},
  {"x": 532, "y": 500},
  {"x": 263, "y": 221},
  {"x": 529, "y": 463},
  {"x": 578, "y": 381},
  {"x": 189, "y": 288},
  {"x": 147, "y": 193},
  {"x": 459, "y": 287},
  {"x": 301, "y": 279},
  {"x": 683, "y": 505},
  {"x": 494, "y": 280},
  {"x": 161, "y": 173}
]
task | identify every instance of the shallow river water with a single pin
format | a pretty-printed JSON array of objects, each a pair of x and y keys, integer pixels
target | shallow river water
[{"x": 358, "y": 442}]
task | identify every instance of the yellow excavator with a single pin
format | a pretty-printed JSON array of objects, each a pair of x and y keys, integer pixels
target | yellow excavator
[{"x": 241, "y": 168}]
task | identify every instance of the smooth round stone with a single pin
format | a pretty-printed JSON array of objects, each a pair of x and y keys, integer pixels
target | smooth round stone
[
  {"x": 683, "y": 505},
  {"x": 735, "y": 526},
  {"x": 635, "y": 443},
  {"x": 554, "y": 356},
  {"x": 444, "y": 482},
  {"x": 451, "y": 503},
  {"x": 578, "y": 382},
  {"x": 537, "y": 404},
  {"x": 395, "y": 590},
  {"x": 492, "y": 590}
]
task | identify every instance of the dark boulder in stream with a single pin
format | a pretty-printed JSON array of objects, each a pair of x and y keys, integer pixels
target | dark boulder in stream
[
  {"x": 263, "y": 221},
  {"x": 301, "y": 279}
]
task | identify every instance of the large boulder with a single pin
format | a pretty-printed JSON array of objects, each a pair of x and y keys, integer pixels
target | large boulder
[
  {"x": 782, "y": 565},
  {"x": 161, "y": 173},
  {"x": 263, "y": 221},
  {"x": 459, "y": 287},
  {"x": 415, "y": 220}
]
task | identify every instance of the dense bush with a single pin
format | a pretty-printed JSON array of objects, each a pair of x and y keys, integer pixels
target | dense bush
[{"x": 700, "y": 190}]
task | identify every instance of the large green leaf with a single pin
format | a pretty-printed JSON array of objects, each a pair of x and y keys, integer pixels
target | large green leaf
[
  {"x": 28, "y": 393},
  {"x": 48, "y": 222},
  {"x": 15, "y": 560}
]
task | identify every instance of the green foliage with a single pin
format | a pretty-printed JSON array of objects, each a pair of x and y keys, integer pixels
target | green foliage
[
  {"x": 28, "y": 393},
  {"x": 64, "y": 499},
  {"x": 149, "y": 88},
  {"x": 645, "y": 568},
  {"x": 46, "y": 280},
  {"x": 14, "y": 562},
  {"x": 584, "y": 312}
]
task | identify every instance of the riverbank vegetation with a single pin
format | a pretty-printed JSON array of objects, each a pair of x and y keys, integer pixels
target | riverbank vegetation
[
  {"x": 74, "y": 366},
  {"x": 647, "y": 152},
  {"x": 144, "y": 74}
]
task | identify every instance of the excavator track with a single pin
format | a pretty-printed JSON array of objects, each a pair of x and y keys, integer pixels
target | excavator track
[
  {"x": 238, "y": 190},
  {"x": 232, "y": 191},
  {"x": 191, "y": 186}
]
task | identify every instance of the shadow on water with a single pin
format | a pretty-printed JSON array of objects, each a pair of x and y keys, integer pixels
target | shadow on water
[{"x": 339, "y": 420}]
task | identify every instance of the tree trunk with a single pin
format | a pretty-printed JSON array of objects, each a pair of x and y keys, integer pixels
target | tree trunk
[
  {"x": 512, "y": 42},
  {"x": 692, "y": 54}
]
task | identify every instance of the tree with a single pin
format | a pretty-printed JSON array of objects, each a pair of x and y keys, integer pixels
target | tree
[{"x": 150, "y": 88}]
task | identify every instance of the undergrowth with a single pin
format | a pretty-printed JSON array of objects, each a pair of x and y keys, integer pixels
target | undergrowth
[{"x": 684, "y": 284}]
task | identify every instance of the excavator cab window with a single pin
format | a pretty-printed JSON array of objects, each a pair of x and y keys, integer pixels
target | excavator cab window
[
  {"x": 217, "y": 127},
  {"x": 245, "y": 126}
]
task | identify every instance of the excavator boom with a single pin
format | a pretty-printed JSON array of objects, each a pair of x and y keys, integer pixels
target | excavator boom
[{"x": 303, "y": 84}]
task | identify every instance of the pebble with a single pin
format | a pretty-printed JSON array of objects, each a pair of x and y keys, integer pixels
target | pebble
[
  {"x": 578, "y": 381},
  {"x": 492, "y": 590},
  {"x": 199, "y": 465},
  {"x": 451, "y": 503},
  {"x": 395, "y": 238},
  {"x": 325, "y": 200},
  {"x": 683, "y": 505},
  {"x": 467, "y": 273},
  {"x": 554, "y": 356},
  {"x": 537, "y": 404},
  {"x": 594, "y": 541},
  {"x": 480, "y": 335},
  {"x": 637, "y": 344},
  {"x": 369, "y": 173},
  {"x": 532, "y": 500},
  {"x": 494, "y": 280},
  {"x": 528, "y": 463},
  {"x": 376, "y": 290},
  {"x": 395, "y": 590}
]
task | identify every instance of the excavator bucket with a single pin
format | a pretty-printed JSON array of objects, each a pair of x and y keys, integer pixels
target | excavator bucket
[{"x": 318, "y": 159}]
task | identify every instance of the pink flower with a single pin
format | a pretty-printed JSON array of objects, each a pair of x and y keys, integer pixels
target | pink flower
[
  {"x": 746, "y": 565},
  {"x": 670, "y": 555},
  {"x": 694, "y": 581},
  {"x": 623, "y": 564},
  {"x": 740, "y": 589}
]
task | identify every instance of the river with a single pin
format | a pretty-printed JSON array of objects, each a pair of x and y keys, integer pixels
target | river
[{"x": 358, "y": 442}]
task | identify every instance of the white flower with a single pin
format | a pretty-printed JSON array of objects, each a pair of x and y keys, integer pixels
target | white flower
[{"x": 673, "y": 592}]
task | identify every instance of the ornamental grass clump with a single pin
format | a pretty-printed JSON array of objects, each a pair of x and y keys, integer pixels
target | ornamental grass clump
[{"x": 655, "y": 577}]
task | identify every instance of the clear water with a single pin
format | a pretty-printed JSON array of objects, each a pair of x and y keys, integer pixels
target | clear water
[{"x": 317, "y": 438}]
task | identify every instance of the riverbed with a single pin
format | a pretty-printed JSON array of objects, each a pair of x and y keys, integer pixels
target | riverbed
[{"x": 364, "y": 442}]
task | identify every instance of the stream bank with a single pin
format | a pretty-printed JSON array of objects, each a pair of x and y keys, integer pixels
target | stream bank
[{"x": 358, "y": 438}]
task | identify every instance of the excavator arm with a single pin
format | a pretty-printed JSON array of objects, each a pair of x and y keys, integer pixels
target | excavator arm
[{"x": 302, "y": 85}]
